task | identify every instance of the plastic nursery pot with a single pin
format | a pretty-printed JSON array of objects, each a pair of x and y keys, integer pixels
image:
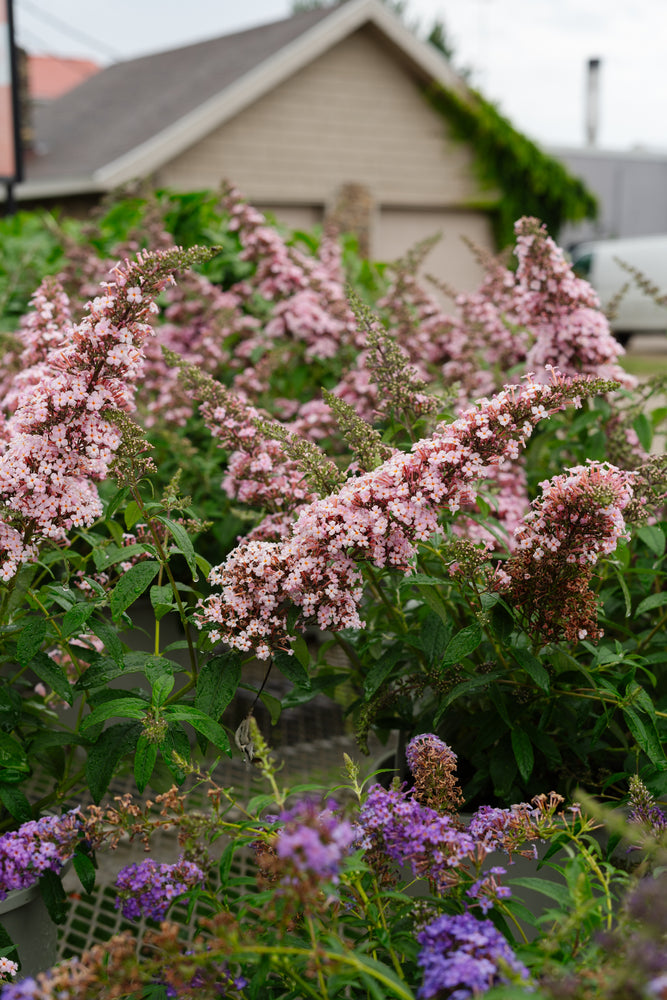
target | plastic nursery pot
[{"x": 25, "y": 918}]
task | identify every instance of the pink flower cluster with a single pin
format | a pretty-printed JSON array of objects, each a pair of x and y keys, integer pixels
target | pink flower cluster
[
  {"x": 58, "y": 439},
  {"x": 562, "y": 311},
  {"x": 578, "y": 519},
  {"x": 379, "y": 517}
]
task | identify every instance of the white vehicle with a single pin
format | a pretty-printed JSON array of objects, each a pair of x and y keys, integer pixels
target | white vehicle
[{"x": 636, "y": 311}]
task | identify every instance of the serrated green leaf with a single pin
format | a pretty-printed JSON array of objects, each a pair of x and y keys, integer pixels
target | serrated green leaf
[
  {"x": 145, "y": 757},
  {"x": 462, "y": 644},
  {"x": 380, "y": 670},
  {"x": 434, "y": 636},
  {"x": 161, "y": 689},
  {"x": 532, "y": 667},
  {"x": 52, "y": 674},
  {"x": 16, "y": 803},
  {"x": 30, "y": 639},
  {"x": 108, "y": 635},
  {"x": 183, "y": 541},
  {"x": 466, "y": 687},
  {"x": 75, "y": 618},
  {"x": 645, "y": 736},
  {"x": 116, "y": 501},
  {"x": 174, "y": 746},
  {"x": 111, "y": 747},
  {"x": 123, "y": 708},
  {"x": 651, "y": 602},
  {"x": 217, "y": 684},
  {"x": 131, "y": 586},
  {"x": 293, "y": 669},
  {"x": 204, "y": 724}
]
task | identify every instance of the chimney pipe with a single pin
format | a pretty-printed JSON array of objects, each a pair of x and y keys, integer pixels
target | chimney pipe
[{"x": 592, "y": 101}]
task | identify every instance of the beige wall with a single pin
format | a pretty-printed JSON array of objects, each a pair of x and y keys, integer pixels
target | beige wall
[
  {"x": 450, "y": 260},
  {"x": 355, "y": 115}
]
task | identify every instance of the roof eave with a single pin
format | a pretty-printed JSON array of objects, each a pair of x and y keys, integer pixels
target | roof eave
[{"x": 148, "y": 157}]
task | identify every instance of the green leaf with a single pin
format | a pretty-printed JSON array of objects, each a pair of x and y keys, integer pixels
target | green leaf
[
  {"x": 162, "y": 601},
  {"x": 85, "y": 869},
  {"x": 99, "y": 674},
  {"x": 132, "y": 514},
  {"x": 502, "y": 769},
  {"x": 175, "y": 744},
  {"x": 110, "y": 555},
  {"x": 54, "y": 896},
  {"x": 654, "y": 537},
  {"x": 651, "y": 602},
  {"x": 645, "y": 736},
  {"x": 116, "y": 501},
  {"x": 462, "y": 644},
  {"x": 131, "y": 586},
  {"x": 434, "y": 636},
  {"x": 554, "y": 890},
  {"x": 183, "y": 541},
  {"x": 111, "y": 747},
  {"x": 293, "y": 669},
  {"x": 124, "y": 708},
  {"x": 202, "y": 723},
  {"x": 624, "y": 589},
  {"x": 30, "y": 640},
  {"x": 145, "y": 757},
  {"x": 420, "y": 578},
  {"x": 642, "y": 426},
  {"x": 217, "y": 684},
  {"x": 532, "y": 667},
  {"x": 273, "y": 705},
  {"x": 75, "y": 618},
  {"x": 15, "y": 803},
  {"x": 161, "y": 689},
  {"x": 301, "y": 651},
  {"x": 108, "y": 635},
  {"x": 523, "y": 752},
  {"x": 502, "y": 622},
  {"x": 464, "y": 688},
  {"x": 52, "y": 674},
  {"x": 380, "y": 670}
]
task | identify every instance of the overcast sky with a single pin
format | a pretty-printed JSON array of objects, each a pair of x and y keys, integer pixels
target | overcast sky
[{"x": 527, "y": 56}]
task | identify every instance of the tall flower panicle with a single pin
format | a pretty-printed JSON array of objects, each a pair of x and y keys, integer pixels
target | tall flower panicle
[
  {"x": 433, "y": 767},
  {"x": 59, "y": 441},
  {"x": 38, "y": 846},
  {"x": 562, "y": 311},
  {"x": 463, "y": 957},
  {"x": 578, "y": 519},
  {"x": 644, "y": 810},
  {"x": 312, "y": 842},
  {"x": 148, "y": 888},
  {"x": 380, "y": 517}
]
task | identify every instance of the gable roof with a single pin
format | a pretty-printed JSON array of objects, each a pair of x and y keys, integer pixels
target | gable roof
[{"x": 133, "y": 117}]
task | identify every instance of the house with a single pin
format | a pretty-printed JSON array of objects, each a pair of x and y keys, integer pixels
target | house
[
  {"x": 332, "y": 112},
  {"x": 50, "y": 77}
]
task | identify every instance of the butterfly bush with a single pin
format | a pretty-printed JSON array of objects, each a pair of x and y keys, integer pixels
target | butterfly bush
[
  {"x": 59, "y": 438},
  {"x": 149, "y": 888},
  {"x": 379, "y": 516},
  {"x": 465, "y": 957},
  {"x": 578, "y": 519},
  {"x": 38, "y": 846}
]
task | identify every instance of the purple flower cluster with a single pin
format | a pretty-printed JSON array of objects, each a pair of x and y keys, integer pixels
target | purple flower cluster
[
  {"x": 394, "y": 825},
  {"x": 314, "y": 841},
  {"x": 46, "y": 844},
  {"x": 466, "y": 957},
  {"x": 148, "y": 888}
]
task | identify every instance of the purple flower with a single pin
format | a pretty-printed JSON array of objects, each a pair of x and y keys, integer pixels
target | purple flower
[
  {"x": 466, "y": 957},
  {"x": 315, "y": 841},
  {"x": 46, "y": 844},
  {"x": 148, "y": 888}
]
